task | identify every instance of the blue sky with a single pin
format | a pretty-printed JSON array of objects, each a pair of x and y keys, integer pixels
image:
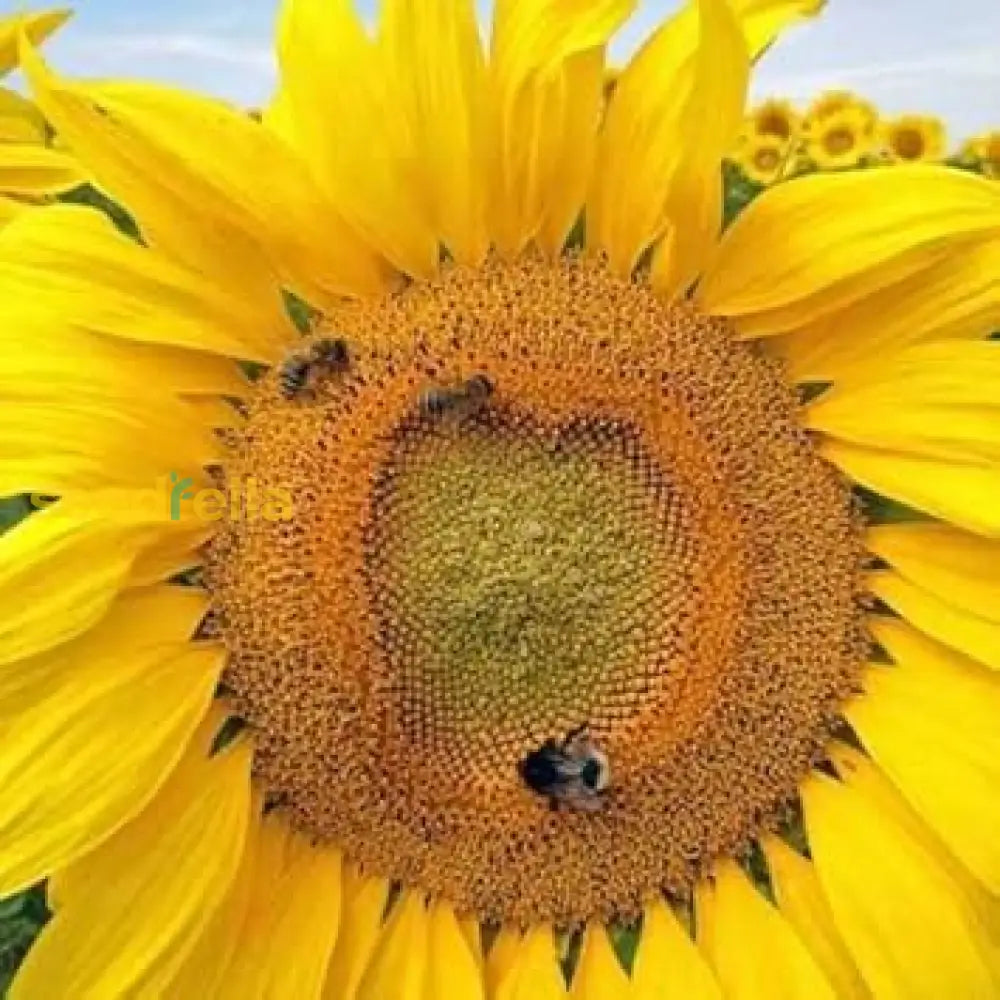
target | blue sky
[{"x": 940, "y": 56}]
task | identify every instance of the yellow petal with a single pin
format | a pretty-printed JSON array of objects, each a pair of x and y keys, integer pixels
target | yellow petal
[
  {"x": 201, "y": 972},
  {"x": 976, "y": 637},
  {"x": 37, "y": 27},
  {"x": 575, "y": 148},
  {"x": 709, "y": 123},
  {"x": 159, "y": 189},
  {"x": 473, "y": 934},
  {"x": 291, "y": 919},
  {"x": 132, "y": 140},
  {"x": 903, "y": 919},
  {"x": 94, "y": 435},
  {"x": 801, "y": 901},
  {"x": 754, "y": 951},
  {"x": 667, "y": 963},
  {"x": 16, "y": 129},
  {"x": 338, "y": 103},
  {"x": 935, "y": 400},
  {"x": 82, "y": 272},
  {"x": 42, "y": 350},
  {"x": 921, "y": 261},
  {"x": 398, "y": 966},
  {"x": 307, "y": 241},
  {"x": 20, "y": 120},
  {"x": 178, "y": 612},
  {"x": 831, "y": 238},
  {"x": 959, "y": 568},
  {"x": 978, "y": 906},
  {"x": 930, "y": 723},
  {"x": 364, "y": 901},
  {"x": 174, "y": 553},
  {"x": 958, "y": 297},
  {"x": 963, "y": 493},
  {"x": 677, "y": 107},
  {"x": 534, "y": 972},
  {"x": 452, "y": 969},
  {"x": 28, "y": 169},
  {"x": 92, "y": 728},
  {"x": 764, "y": 20},
  {"x": 61, "y": 568},
  {"x": 500, "y": 959},
  {"x": 128, "y": 913},
  {"x": 436, "y": 63},
  {"x": 10, "y": 209},
  {"x": 544, "y": 90},
  {"x": 599, "y": 975},
  {"x": 43, "y": 359}
]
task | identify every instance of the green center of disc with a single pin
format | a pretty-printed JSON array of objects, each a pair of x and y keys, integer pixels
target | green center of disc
[{"x": 516, "y": 571}]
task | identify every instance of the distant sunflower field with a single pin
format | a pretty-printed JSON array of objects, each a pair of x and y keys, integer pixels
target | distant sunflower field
[{"x": 842, "y": 130}]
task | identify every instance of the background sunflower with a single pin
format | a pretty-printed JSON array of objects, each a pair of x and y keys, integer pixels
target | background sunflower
[
  {"x": 913, "y": 139},
  {"x": 774, "y": 118},
  {"x": 763, "y": 158},
  {"x": 842, "y": 130},
  {"x": 840, "y": 140}
]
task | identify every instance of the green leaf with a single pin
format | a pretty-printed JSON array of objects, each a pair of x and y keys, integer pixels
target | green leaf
[
  {"x": 21, "y": 918},
  {"x": 12, "y": 510}
]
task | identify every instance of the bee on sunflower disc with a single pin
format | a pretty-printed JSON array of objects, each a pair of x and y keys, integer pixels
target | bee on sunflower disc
[
  {"x": 297, "y": 370},
  {"x": 575, "y": 773}
]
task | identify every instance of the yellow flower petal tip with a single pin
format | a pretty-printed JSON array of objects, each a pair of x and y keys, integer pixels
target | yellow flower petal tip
[{"x": 35, "y": 27}]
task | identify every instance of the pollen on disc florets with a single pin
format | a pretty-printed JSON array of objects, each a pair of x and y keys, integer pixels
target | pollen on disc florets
[{"x": 631, "y": 531}]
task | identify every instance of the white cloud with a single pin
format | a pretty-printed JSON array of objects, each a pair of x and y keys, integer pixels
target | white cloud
[
  {"x": 115, "y": 46},
  {"x": 982, "y": 63}
]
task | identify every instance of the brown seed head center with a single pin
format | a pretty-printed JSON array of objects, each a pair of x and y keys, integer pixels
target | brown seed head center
[
  {"x": 839, "y": 141},
  {"x": 908, "y": 143},
  {"x": 630, "y": 531}
]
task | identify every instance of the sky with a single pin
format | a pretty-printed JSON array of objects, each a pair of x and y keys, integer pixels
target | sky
[{"x": 935, "y": 56}]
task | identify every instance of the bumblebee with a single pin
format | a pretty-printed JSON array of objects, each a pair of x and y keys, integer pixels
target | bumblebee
[
  {"x": 467, "y": 398},
  {"x": 327, "y": 354},
  {"x": 574, "y": 773}
]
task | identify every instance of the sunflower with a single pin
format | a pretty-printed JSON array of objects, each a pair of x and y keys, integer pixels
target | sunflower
[
  {"x": 984, "y": 151},
  {"x": 774, "y": 118},
  {"x": 913, "y": 139},
  {"x": 839, "y": 141},
  {"x": 762, "y": 158},
  {"x": 28, "y": 169},
  {"x": 277, "y": 658},
  {"x": 835, "y": 102}
]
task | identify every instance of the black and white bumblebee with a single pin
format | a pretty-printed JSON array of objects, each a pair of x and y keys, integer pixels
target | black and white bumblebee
[{"x": 574, "y": 773}]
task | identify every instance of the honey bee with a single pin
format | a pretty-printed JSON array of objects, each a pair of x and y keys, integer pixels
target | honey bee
[
  {"x": 574, "y": 773},
  {"x": 468, "y": 397},
  {"x": 294, "y": 374}
]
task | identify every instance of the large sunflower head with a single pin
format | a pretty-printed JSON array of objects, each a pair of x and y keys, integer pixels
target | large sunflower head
[
  {"x": 774, "y": 118},
  {"x": 29, "y": 170},
  {"x": 514, "y": 626},
  {"x": 913, "y": 139},
  {"x": 839, "y": 141}
]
